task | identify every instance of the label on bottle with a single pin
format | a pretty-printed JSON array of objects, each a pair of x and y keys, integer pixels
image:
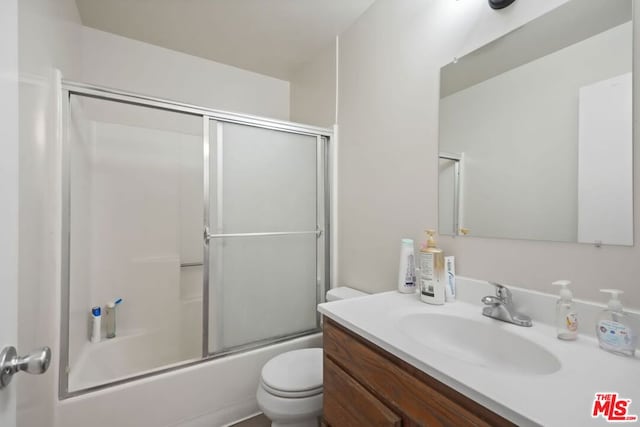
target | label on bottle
[
  {"x": 410, "y": 277},
  {"x": 571, "y": 320},
  {"x": 427, "y": 284},
  {"x": 614, "y": 334}
]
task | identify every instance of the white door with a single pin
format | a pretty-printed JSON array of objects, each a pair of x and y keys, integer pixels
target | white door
[{"x": 8, "y": 194}]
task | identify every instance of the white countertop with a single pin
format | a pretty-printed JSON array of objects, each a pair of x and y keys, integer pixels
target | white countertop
[{"x": 563, "y": 398}]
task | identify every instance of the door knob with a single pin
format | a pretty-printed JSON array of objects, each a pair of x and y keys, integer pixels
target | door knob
[{"x": 36, "y": 362}]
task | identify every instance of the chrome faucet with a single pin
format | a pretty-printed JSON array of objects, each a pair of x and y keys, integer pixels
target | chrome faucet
[{"x": 501, "y": 307}]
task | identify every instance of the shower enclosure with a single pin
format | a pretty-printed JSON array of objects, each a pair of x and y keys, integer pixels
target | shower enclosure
[{"x": 211, "y": 227}]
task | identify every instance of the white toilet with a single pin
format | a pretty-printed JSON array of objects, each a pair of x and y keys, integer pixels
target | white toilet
[{"x": 290, "y": 390}]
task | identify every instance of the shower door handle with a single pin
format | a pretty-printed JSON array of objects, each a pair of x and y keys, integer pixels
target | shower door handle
[
  {"x": 208, "y": 236},
  {"x": 36, "y": 362}
]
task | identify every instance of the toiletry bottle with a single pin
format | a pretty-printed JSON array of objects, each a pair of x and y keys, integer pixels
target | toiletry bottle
[
  {"x": 110, "y": 317},
  {"x": 407, "y": 274},
  {"x": 566, "y": 317},
  {"x": 432, "y": 272},
  {"x": 96, "y": 324},
  {"x": 615, "y": 330},
  {"x": 450, "y": 278}
]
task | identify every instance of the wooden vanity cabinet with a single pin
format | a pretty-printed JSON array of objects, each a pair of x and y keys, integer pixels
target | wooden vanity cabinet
[{"x": 367, "y": 386}]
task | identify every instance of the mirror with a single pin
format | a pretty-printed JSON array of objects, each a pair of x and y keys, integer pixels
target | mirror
[{"x": 536, "y": 130}]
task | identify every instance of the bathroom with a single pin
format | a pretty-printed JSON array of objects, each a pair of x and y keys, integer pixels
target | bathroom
[{"x": 381, "y": 114}]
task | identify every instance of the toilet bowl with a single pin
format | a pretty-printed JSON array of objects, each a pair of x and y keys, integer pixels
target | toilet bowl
[{"x": 290, "y": 389}]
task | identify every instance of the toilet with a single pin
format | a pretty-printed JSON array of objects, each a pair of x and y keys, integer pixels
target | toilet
[{"x": 290, "y": 389}]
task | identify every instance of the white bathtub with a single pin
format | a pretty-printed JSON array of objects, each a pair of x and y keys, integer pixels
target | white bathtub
[
  {"x": 125, "y": 356},
  {"x": 208, "y": 394}
]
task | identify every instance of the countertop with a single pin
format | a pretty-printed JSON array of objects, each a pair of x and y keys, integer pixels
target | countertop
[{"x": 563, "y": 398}]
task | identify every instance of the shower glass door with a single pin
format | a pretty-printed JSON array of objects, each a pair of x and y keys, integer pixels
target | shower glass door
[
  {"x": 134, "y": 178},
  {"x": 266, "y": 234},
  {"x": 210, "y": 227}
]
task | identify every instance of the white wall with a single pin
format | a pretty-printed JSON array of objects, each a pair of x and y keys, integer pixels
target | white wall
[
  {"x": 525, "y": 185},
  {"x": 8, "y": 194},
  {"x": 47, "y": 38},
  {"x": 313, "y": 89},
  {"x": 122, "y": 63},
  {"x": 389, "y": 67}
]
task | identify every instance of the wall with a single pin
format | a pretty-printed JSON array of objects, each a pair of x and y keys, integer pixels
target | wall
[
  {"x": 9, "y": 145},
  {"x": 527, "y": 186},
  {"x": 313, "y": 90},
  {"x": 47, "y": 40},
  {"x": 122, "y": 63},
  {"x": 389, "y": 68}
]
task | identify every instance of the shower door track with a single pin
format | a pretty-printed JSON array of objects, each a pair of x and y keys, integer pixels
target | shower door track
[
  {"x": 323, "y": 136},
  {"x": 110, "y": 94}
]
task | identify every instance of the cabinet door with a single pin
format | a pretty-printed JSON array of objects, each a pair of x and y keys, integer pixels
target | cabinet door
[
  {"x": 348, "y": 404},
  {"x": 419, "y": 398}
]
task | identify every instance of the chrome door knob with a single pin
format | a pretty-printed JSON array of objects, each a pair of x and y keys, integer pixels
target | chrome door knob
[{"x": 36, "y": 362}]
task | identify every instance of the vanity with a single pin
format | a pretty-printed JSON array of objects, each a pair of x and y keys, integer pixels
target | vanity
[
  {"x": 366, "y": 385},
  {"x": 391, "y": 360}
]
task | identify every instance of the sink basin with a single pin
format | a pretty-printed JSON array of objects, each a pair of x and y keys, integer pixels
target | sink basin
[{"x": 489, "y": 345}]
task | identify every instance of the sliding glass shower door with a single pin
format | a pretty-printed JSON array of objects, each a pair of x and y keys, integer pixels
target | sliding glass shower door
[
  {"x": 134, "y": 212},
  {"x": 265, "y": 242},
  {"x": 209, "y": 228}
]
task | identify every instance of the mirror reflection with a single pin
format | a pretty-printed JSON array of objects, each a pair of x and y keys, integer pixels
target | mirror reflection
[{"x": 536, "y": 130}]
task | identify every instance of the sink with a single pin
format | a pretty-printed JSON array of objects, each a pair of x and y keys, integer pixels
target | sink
[{"x": 490, "y": 345}]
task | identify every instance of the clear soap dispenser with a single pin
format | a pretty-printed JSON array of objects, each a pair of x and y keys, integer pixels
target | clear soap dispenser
[
  {"x": 566, "y": 317},
  {"x": 615, "y": 329}
]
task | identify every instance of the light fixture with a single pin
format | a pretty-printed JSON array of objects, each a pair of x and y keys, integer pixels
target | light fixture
[{"x": 500, "y": 4}]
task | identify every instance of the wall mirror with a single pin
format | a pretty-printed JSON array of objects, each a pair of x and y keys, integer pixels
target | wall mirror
[{"x": 536, "y": 136}]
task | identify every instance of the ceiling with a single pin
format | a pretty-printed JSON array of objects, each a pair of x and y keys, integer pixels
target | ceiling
[{"x": 271, "y": 37}]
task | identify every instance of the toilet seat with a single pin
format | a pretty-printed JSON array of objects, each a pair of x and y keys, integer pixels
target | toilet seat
[{"x": 294, "y": 374}]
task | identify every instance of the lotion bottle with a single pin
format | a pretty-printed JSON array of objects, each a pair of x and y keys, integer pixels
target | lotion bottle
[
  {"x": 615, "y": 329},
  {"x": 96, "y": 324},
  {"x": 432, "y": 281},
  {"x": 407, "y": 273},
  {"x": 566, "y": 317}
]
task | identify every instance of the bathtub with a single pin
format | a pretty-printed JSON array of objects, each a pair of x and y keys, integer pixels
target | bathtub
[
  {"x": 208, "y": 394},
  {"x": 125, "y": 356}
]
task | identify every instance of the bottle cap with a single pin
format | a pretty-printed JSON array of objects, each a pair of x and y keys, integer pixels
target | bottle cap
[
  {"x": 112, "y": 304},
  {"x": 96, "y": 311},
  {"x": 407, "y": 242},
  {"x": 614, "y": 303},
  {"x": 565, "y": 292}
]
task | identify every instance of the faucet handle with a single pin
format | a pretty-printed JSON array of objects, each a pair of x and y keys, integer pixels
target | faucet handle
[{"x": 502, "y": 291}]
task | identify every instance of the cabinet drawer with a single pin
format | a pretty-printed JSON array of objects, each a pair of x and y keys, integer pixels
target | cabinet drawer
[
  {"x": 420, "y": 399},
  {"x": 348, "y": 404}
]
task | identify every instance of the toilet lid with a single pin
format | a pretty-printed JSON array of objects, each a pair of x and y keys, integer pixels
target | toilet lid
[{"x": 295, "y": 373}]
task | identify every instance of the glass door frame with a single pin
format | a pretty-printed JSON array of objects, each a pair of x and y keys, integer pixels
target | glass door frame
[{"x": 324, "y": 138}]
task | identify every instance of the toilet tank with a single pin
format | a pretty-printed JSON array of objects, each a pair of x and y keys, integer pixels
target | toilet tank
[{"x": 343, "y": 292}]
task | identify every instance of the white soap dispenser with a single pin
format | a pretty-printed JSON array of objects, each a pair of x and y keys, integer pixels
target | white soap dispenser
[
  {"x": 615, "y": 330},
  {"x": 566, "y": 317}
]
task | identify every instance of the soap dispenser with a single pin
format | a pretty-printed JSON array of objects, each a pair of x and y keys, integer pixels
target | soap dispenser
[
  {"x": 432, "y": 285},
  {"x": 566, "y": 317},
  {"x": 615, "y": 330}
]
